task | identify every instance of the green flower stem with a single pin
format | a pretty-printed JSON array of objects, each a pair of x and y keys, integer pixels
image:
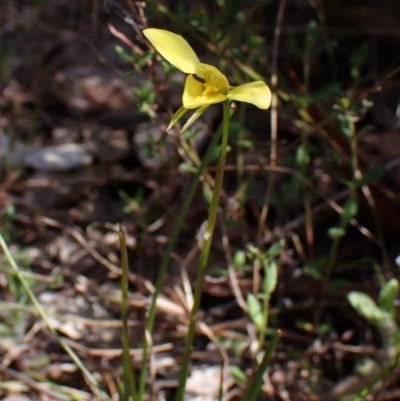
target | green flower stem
[
  {"x": 167, "y": 257},
  {"x": 205, "y": 252}
]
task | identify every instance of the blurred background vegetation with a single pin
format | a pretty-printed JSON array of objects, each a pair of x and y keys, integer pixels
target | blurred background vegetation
[{"x": 307, "y": 239}]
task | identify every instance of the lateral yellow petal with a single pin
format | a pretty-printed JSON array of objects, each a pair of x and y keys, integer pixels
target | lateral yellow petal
[
  {"x": 257, "y": 93},
  {"x": 193, "y": 89},
  {"x": 193, "y": 95},
  {"x": 174, "y": 49}
]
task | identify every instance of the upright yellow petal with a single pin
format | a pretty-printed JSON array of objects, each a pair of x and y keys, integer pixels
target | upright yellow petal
[
  {"x": 256, "y": 92},
  {"x": 174, "y": 49},
  {"x": 193, "y": 96}
]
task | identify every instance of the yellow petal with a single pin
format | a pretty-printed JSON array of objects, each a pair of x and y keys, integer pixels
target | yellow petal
[
  {"x": 193, "y": 89},
  {"x": 213, "y": 77},
  {"x": 193, "y": 95},
  {"x": 174, "y": 49},
  {"x": 256, "y": 92}
]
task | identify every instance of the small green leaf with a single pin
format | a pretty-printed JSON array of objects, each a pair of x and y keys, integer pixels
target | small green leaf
[
  {"x": 207, "y": 193},
  {"x": 271, "y": 276},
  {"x": 142, "y": 60},
  {"x": 186, "y": 168},
  {"x": 306, "y": 326},
  {"x": 238, "y": 373},
  {"x": 302, "y": 156},
  {"x": 371, "y": 175},
  {"x": 255, "y": 312},
  {"x": 368, "y": 309},
  {"x": 324, "y": 329},
  {"x": 123, "y": 54},
  {"x": 253, "y": 251},
  {"x": 244, "y": 143},
  {"x": 313, "y": 271},
  {"x": 275, "y": 249},
  {"x": 239, "y": 259},
  {"x": 336, "y": 232},
  {"x": 349, "y": 211},
  {"x": 388, "y": 295}
]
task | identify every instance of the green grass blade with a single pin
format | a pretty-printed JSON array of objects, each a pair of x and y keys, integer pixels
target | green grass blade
[
  {"x": 129, "y": 378},
  {"x": 95, "y": 386},
  {"x": 254, "y": 385}
]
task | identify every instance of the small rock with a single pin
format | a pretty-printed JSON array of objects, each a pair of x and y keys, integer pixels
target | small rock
[
  {"x": 91, "y": 90},
  {"x": 59, "y": 158}
]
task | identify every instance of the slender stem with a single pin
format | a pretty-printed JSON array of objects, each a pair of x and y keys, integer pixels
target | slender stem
[
  {"x": 262, "y": 227},
  {"x": 254, "y": 385},
  {"x": 129, "y": 378},
  {"x": 354, "y": 156},
  {"x": 205, "y": 252},
  {"x": 263, "y": 333},
  {"x": 167, "y": 257},
  {"x": 337, "y": 239},
  {"x": 265, "y": 310},
  {"x": 310, "y": 39}
]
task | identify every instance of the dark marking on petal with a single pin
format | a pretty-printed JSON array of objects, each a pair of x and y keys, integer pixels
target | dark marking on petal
[{"x": 198, "y": 79}]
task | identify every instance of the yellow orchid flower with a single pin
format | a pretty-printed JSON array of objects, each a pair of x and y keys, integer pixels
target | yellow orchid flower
[{"x": 205, "y": 84}]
